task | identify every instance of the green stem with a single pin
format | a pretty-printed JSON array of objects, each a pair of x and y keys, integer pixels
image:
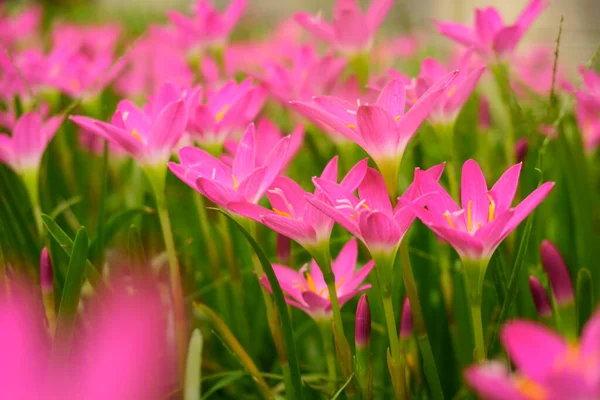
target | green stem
[
  {"x": 323, "y": 258},
  {"x": 500, "y": 72},
  {"x": 446, "y": 136},
  {"x": 157, "y": 178},
  {"x": 31, "y": 180},
  {"x": 474, "y": 274},
  {"x": 328, "y": 346}
]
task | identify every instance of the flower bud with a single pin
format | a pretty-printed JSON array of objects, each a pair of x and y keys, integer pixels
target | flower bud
[
  {"x": 46, "y": 273},
  {"x": 557, "y": 272},
  {"x": 540, "y": 298},
  {"x": 362, "y": 331},
  {"x": 284, "y": 245},
  {"x": 406, "y": 323},
  {"x": 521, "y": 147},
  {"x": 485, "y": 119}
]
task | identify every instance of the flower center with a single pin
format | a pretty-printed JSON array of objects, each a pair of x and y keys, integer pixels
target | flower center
[{"x": 222, "y": 113}]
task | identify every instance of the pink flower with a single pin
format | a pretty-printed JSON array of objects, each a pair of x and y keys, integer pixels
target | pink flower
[
  {"x": 295, "y": 217},
  {"x": 150, "y": 134},
  {"x": 268, "y": 134},
  {"x": 246, "y": 181},
  {"x": 398, "y": 47},
  {"x": 121, "y": 329},
  {"x": 534, "y": 70},
  {"x": 486, "y": 216},
  {"x": 370, "y": 216},
  {"x": 457, "y": 93},
  {"x": 306, "y": 289},
  {"x": 587, "y": 109},
  {"x": 351, "y": 31},
  {"x": 548, "y": 366},
  {"x": 383, "y": 130},
  {"x": 23, "y": 150},
  {"x": 304, "y": 76},
  {"x": 20, "y": 27},
  {"x": 490, "y": 35},
  {"x": 221, "y": 113},
  {"x": 208, "y": 27}
]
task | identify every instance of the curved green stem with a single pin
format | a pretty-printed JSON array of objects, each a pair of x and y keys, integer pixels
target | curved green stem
[
  {"x": 31, "y": 180},
  {"x": 328, "y": 346},
  {"x": 474, "y": 274},
  {"x": 323, "y": 258}
]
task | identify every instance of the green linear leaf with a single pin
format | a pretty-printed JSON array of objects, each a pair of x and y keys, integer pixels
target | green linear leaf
[
  {"x": 193, "y": 367},
  {"x": 341, "y": 389}
]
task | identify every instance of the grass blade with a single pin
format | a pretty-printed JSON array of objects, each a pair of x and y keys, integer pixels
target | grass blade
[
  {"x": 341, "y": 389},
  {"x": 193, "y": 370},
  {"x": 584, "y": 297}
]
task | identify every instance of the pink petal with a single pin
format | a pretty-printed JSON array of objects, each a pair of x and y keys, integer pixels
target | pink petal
[
  {"x": 533, "y": 348},
  {"x": 342, "y": 217},
  {"x": 524, "y": 208},
  {"x": 458, "y": 32},
  {"x": 26, "y": 137},
  {"x": 443, "y": 202},
  {"x": 493, "y": 382},
  {"x": 285, "y": 193},
  {"x": 340, "y": 108},
  {"x": 294, "y": 229},
  {"x": 217, "y": 192},
  {"x": 373, "y": 190},
  {"x": 314, "y": 301},
  {"x": 347, "y": 296},
  {"x": 473, "y": 191},
  {"x": 345, "y": 262},
  {"x": 355, "y": 176},
  {"x": 507, "y": 39},
  {"x": 393, "y": 98},
  {"x": 330, "y": 172},
  {"x": 462, "y": 91},
  {"x": 412, "y": 191},
  {"x": 378, "y": 130},
  {"x": 244, "y": 159},
  {"x": 590, "y": 337},
  {"x": 530, "y": 13},
  {"x": 126, "y": 140},
  {"x": 275, "y": 161},
  {"x": 347, "y": 18},
  {"x": 466, "y": 246},
  {"x": 503, "y": 191},
  {"x": 316, "y": 218},
  {"x": 251, "y": 187},
  {"x": 316, "y": 26},
  {"x": 317, "y": 276},
  {"x": 249, "y": 210},
  {"x": 377, "y": 12},
  {"x": 379, "y": 231},
  {"x": 133, "y": 118},
  {"x": 354, "y": 280},
  {"x": 168, "y": 127},
  {"x": 234, "y": 11},
  {"x": 487, "y": 23}
]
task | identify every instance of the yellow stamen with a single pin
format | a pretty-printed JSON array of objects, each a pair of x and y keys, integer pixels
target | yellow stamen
[
  {"x": 365, "y": 206},
  {"x": 235, "y": 182},
  {"x": 282, "y": 213},
  {"x": 340, "y": 283},
  {"x": 531, "y": 390},
  {"x": 221, "y": 113},
  {"x": 469, "y": 216},
  {"x": 397, "y": 117},
  {"x": 136, "y": 134},
  {"x": 491, "y": 208},
  {"x": 311, "y": 283},
  {"x": 447, "y": 216},
  {"x": 351, "y": 126},
  {"x": 570, "y": 359},
  {"x": 451, "y": 91}
]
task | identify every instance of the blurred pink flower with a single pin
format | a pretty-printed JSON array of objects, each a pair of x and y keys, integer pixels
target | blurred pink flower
[
  {"x": 587, "y": 108},
  {"x": 150, "y": 134},
  {"x": 486, "y": 216},
  {"x": 306, "y": 289},
  {"x": 23, "y": 150},
  {"x": 208, "y": 27},
  {"x": 15, "y": 29},
  {"x": 533, "y": 72},
  {"x": 548, "y": 366},
  {"x": 351, "y": 31},
  {"x": 490, "y": 35},
  {"x": 293, "y": 214},
  {"x": 457, "y": 93},
  {"x": 245, "y": 181},
  {"x": 370, "y": 216},
  {"x": 120, "y": 353}
]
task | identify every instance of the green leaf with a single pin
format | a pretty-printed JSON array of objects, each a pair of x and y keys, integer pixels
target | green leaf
[
  {"x": 584, "y": 297},
  {"x": 286, "y": 325},
  {"x": 193, "y": 367},
  {"x": 64, "y": 206},
  {"x": 224, "y": 383},
  {"x": 98, "y": 248},
  {"x": 341, "y": 389},
  {"x": 67, "y": 244},
  {"x": 69, "y": 302}
]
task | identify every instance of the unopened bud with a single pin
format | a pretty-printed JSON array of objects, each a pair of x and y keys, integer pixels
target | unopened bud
[
  {"x": 284, "y": 245},
  {"x": 46, "y": 273},
  {"x": 540, "y": 298},
  {"x": 485, "y": 119},
  {"x": 521, "y": 148},
  {"x": 362, "y": 331},
  {"x": 558, "y": 273},
  {"x": 406, "y": 323}
]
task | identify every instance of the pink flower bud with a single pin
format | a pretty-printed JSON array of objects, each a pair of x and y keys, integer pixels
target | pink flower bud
[
  {"x": 362, "y": 331},
  {"x": 558, "y": 273},
  {"x": 284, "y": 245},
  {"x": 521, "y": 148},
  {"x": 46, "y": 273},
  {"x": 540, "y": 297},
  {"x": 485, "y": 119},
  {"x": 406, "y": 323}
]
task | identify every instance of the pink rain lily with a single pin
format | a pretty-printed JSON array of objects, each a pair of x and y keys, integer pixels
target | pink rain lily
[
  {"x": 370, "y": 216},
  {"x": 268, "y": 134},
  {"x": 15, "y": 29},
  {"x": 490, "y": 35},
  {"x": 246, "y": 181},
  {"x": 150, "y": 134},
  {"x": 23, "y": 150},
  {"x": 457, "y": 93},
  {"x": 125, "y": 328},
  {"x": 351, "y": 31},
  {"x": 383, "y": 129},
  {"x": 306, "y": 289},
  {"x": 486, "y": 216},
  {"x": 305, "y": 75},
  {"x": 548, "y": 366},
  {"x": 208, "y": 27},
  {"x": 292, "y": 215},
  {"x": 534, "y": 72},
  {"x": 587, "y": 109},
  {"x": 217, "y": 115}
]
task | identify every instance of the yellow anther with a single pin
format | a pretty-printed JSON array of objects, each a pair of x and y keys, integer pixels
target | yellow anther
[
  {"x": 451, "y": 91},
  {"x": 397, "y": 117},
  {"x": 531, "y": 390},
  {"x": 221, "y": 113},
  {"x": 282, "y": 213},
  {"x": 365, "y": 206},
  {"x": 351, "y": 126},
  {"x": 491, "y": 208},
  {"x": 469, "y": 216},
  {"x": 340, "y": 283},
  {"x": 570, "y": 359},
  {"x": 136, "y": 134},
  {"x": 235, "y": 182},
  {"x": 447, "y": 216},
  {"x": 311, "y": 283}
]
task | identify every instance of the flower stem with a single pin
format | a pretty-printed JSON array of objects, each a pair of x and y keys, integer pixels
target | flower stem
[
  {"x": 31, "y": 180},
  {"x": 474, "y": 274},
  {"x": 328, "y": 346},
  {"x": 323, "y": 259},
  {"x": 157, "y": 177}
]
